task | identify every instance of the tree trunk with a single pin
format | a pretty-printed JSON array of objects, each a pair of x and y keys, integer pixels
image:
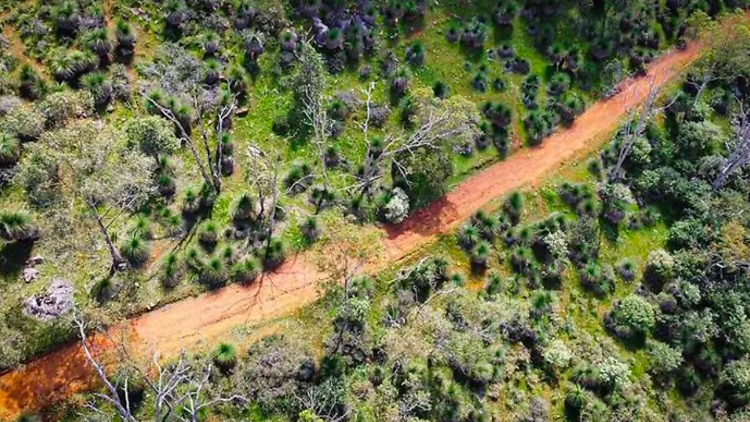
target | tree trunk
[{"x": 118, "y": 262}]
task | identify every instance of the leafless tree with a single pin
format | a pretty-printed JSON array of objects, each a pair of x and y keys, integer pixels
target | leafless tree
[
  {"x": 182, "y": 385},
  {"x": 437, "y": 124},
  {"x": 726, "y": 54},
  {"x": 321, "y": 400},
  {"x": 637, "y": 122},
  {"x": 217, "y": 128},
  {"x": 740, "y": 151},
  {"x": 316, "y": 117}
]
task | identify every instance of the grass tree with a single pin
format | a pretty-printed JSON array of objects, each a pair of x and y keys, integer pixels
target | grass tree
[
  {"x": 97, "y": 42},
  {"x": 17, "y": 226},
  {"x": 125, "y": 35},
  {"x": 171, "y": 271},
  {"x": 135, "y": 250},
  {"x": 225, "y": 357},
  {"x": 246, "y": 270},
  {"x": 10, "y": 150}
]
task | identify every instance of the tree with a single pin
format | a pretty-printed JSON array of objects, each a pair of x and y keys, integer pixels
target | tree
[
  {"x": 636, "y": 126},
  {"x": 152, "y": 135},
  {"x": 631, "y": 317},
  {"x": 182, "y": 385},
  {"x": 308, "y": 87},
  {"x": 103, "y": 173},
  {"x": 216, "y": 129},
  {"x": 725, "y": 55},
  {"x": 739, "y": 154},
  {"x": 439, "y": 125}
]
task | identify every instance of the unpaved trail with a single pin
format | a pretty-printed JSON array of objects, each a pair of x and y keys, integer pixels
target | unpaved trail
[{"x": 206, "y": 319}]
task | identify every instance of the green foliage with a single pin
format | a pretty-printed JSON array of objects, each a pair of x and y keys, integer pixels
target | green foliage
[
  {"x": 631, "y": 317},
  {"x": 246, "y": 270},
  {"x": 10, "y": 149},
  {"x": 153, "y": 135},
  {"x": 135, "y": 250},
  {"x": 423, "y": 174},
  {"x": 17, "y": 226},
  {"x": 225, "y": 357}
]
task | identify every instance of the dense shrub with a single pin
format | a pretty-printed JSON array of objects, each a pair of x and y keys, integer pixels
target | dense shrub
[{"x": 631, "y": 318}]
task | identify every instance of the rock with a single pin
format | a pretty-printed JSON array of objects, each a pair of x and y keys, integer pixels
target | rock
[
  {"x": 30, "y": 274},
  {"x": 34, "y": 261},
  {"x": 55, "y": 302}
]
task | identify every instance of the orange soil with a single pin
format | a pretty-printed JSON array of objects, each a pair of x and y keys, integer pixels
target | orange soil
[{"x": 207, "y": 318}]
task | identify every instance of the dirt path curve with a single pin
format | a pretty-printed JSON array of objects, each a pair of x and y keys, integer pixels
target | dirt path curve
[{"x": 208, "y": 318}]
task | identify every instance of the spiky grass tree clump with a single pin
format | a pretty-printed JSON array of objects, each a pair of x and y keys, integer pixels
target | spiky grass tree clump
[
  {"x": 626, "y": 268},
  {"x": 32, "y": 86},
  {"x": 254, "y": 45},
  {"x": 125, "y": 48},
  {"x": 475, "y": 34},
  {"x": 70, "y": 67},
  {"x": 415, "y": 54},
  {"x": 237, "y": 82},
  {"x": 440, "y": 90},
  {"x": 513, "y": 206},
  {"x": 97, "y": 42},
  {"x": 228, "y": 254},
  {"x": 214, "y": 273},
  {"x": 18, "y": 226},
  {"x": 246, "y": 270},
  {"x": 213, "y": 72},
  {"x": 104, "y": 290},
  {"x": 488, "y": 225},
  {"x": 209, "y": 234},
  {"x": 210, "y": 44},
  {"x": 274, "y": 254},
  {"x": 332, "y": 156},
  {"x": 10, "y": 150},
  {"x": 505, "y": 13},
  {"x": 142, "y": 227},
  {"x": 480, "y": 82},
  {"x": 244, "y": 209},
  {"x": 299, "y": 178},
  {"x": 400, "y": 84},
  {"x": 468, "y": 236},
  {"x": 225, "y": 357},
  {"x": 135, "y": 250},
  {"x": 480, "y": 255},
  {"x": 575, "y": 398},
  {"x": 311, "y": 229},
  {"x": 27, "y": 417},
  {"x": 67, "y": 18},
  {"x": 99, "y": 87},
  {"x": 493, "y": 286},
  {"x": 171, "y": 273}
]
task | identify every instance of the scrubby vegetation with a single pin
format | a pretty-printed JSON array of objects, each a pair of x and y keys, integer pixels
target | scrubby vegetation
[{"x": 154, "y": 150}]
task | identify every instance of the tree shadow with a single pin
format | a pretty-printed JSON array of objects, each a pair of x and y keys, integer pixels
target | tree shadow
[{"x": 13, "y": 257}]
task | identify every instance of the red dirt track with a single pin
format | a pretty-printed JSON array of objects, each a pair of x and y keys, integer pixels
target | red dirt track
[{"x": 209, "y": 317}]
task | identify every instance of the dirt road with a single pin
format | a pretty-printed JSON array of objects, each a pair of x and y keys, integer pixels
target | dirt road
[{"x": 208, "y": 318}]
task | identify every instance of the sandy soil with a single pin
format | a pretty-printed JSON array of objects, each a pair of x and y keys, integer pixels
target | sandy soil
[{"x": 206, "y": 319}]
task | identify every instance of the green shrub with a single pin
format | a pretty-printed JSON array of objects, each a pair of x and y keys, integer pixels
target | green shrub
[
  {"x": 659, "y": 269},
  {"x": 630, "y": 318}
]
